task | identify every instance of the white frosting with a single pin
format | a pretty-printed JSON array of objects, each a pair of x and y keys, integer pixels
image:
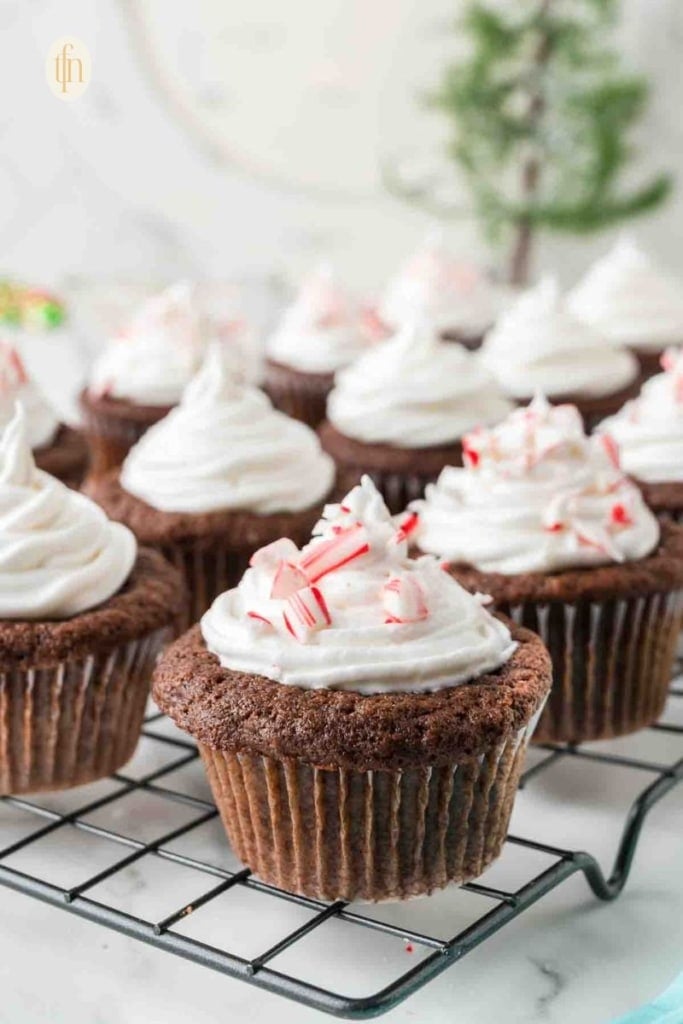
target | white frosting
[
  {"x": 649, "y": 430},
  {"x": 413, "y": 391},
  {"x": 377, "y": 623},
  {"x": 322, "y": 330},
  {"x": 454, "y": 294},
  {"x": 59, "y": 554},
  {"x": 630, "y": 300},
  {"x": 225, "y": 447},
  {"x": 539, "y": 345},
  {"x": 42, "y": 422},
  {"x": 536, "y": 495},
  {"x": 152, "y": 361}
]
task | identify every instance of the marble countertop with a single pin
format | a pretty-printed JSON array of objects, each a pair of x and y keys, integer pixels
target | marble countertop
[{"x": 569, "y": 960}]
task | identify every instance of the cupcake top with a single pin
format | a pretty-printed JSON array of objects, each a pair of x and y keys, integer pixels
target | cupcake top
[
  {"x": 649, "y": 429},
  {"x": 630, "y": 300},
  {"x": 539, "y": 345},
  {"x": 414, "y": 391},
  {"x": 59, "y": 554},
  {"x": 151, "y": 362},
  {"x": 536, "y": 495},
  {"x": 456, "y": 295},
  {"x": 352, "y": 611},
  {"x": 41, "y": 422},
  {"x": 224, "y": 447},
  {"x": 322, "y": 330}
]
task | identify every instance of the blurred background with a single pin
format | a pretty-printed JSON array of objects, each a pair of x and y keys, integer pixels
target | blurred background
[{"x": 243, "y": 141}]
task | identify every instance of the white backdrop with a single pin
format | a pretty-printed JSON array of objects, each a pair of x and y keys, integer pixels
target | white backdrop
[{"x": 245, "y": 139}]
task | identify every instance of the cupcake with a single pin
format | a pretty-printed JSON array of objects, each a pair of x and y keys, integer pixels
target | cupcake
[
  {"x": 57, "y": 448},
  {"x": 460, "y": 298},
  {"x": 141, "y": 374},
  {"x": 631, "y": 301},
  {"x": 322, "y": 331},
  {"x": 221, "y": 474},
  {"x": 538, "y": 345},
  {"x": 399, "y": 412},
  {"x": 83, "y": 615},
  {"x": 649, "y": 432},
  {"x": 543, "y": 519},
  {"x": 361, "y": 717}
]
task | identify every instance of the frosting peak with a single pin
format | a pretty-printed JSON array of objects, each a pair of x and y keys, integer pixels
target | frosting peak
[
  {"x": 538, "y": 344},
  {"x": 16, "y": 386},
  {"x": 536, "y": 495},
  {"x": 224, "y": 447},
  {"x": 152, "y": 361},
  {"x": 455, "y": 294},
  {"x": 649, "y": 429},
  {"x": 352, "y": 611},
  {"x": 59, "y": 554},
  {"x": 413, "y": 391},
  {"x": 629, "y": 299},
  {"x": 322, "y": 330}
]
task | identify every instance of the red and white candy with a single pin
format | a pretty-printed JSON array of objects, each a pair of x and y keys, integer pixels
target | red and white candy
[
  {"x": 403, "y": 600},
  {"x": 329, "y": 555},
  {"x": 270, "y": 556},
  {"x": 13, "y": 374},
  {"x": 305, "y": 612}
]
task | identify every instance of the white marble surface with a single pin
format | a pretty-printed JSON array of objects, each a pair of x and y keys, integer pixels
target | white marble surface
[{"x": 570, "y": 960}]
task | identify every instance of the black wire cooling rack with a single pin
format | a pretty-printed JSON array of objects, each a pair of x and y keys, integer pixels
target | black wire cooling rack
[{"x": 30, "y": 823}]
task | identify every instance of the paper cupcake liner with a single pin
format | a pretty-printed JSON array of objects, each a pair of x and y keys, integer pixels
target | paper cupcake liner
[
  {"x": 377, "y": 835},
  {"x": 612, "y": 663},
  {"x": 300, "y": 395},
  {"x": 397, "y": 489},
  {"x": 71, "y": 723}
]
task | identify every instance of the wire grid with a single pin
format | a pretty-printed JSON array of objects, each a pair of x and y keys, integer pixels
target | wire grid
[{"x": 212, "y": 880}]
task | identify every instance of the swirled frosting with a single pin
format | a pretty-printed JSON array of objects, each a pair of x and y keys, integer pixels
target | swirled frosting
[
  {"x": 536, "y": 495},
  {"x": 413, "y": 391},
  {"x": 322, "y": 330},
  {"x": 454, "y": 294},
  {"x": 16, "y": 386},
  {"x": 151, "y": 362},
  {"x": 649, "y": 430},
  {"x": 225, "y": 447},
  {"x": 539, "y": 345},
  {"x": 352, "y": 611},
  {"x": 59, "y": 554},
  {"x": 630, "y": 300}
]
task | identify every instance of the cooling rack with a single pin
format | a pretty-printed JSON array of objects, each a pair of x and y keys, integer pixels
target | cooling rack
[{"x": 168, "y": 815}]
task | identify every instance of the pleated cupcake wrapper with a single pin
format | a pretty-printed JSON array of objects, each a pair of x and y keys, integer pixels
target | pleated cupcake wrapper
[
  {"x": 209, "y": 566},
  {"x": 76, "y": 721},
  {"x": 397, "y": 489},
  {"x": 110, "y": 438},
  {"x": 375, "y": 835},
  {"x": 299, "y": 396},
  {"x": 612, "y": 663}
]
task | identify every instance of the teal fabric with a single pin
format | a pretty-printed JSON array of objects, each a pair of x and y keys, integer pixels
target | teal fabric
[{"x": 666, "y": 1009}]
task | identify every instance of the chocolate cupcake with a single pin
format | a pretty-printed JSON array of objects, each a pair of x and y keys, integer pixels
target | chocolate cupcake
[
  {"x": 222, "y": 473},
  {"x": 83, "y": 616},
  {"x": 632, "y": 302},
  {"x": 649, "y": 432},
  {"x": 538, "y": 345},
  {"x": 57, "y": 448},
  {"x": 461, "y": 299},
  {"x": 141, "y": 374},
  {"x": 543, "y": 519},
  {"x": 322, "y": 331},
  {"x": 362, "y": 718},
  {"x": 400, "y": 411}
]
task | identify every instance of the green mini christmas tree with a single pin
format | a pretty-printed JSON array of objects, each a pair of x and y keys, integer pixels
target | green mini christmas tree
[{"x": 541, "y": 111}]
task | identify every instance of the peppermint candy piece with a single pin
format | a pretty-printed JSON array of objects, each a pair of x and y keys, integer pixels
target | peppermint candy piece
[
  {"x": 329, "y": 555},
  {"x": 403, "y": 600},
  {"x": 305, "y": 613},
  {"x": 287, "y": 580},
  {"x": 406, "y": 528},
  {"x": 270, "y": 556}
]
